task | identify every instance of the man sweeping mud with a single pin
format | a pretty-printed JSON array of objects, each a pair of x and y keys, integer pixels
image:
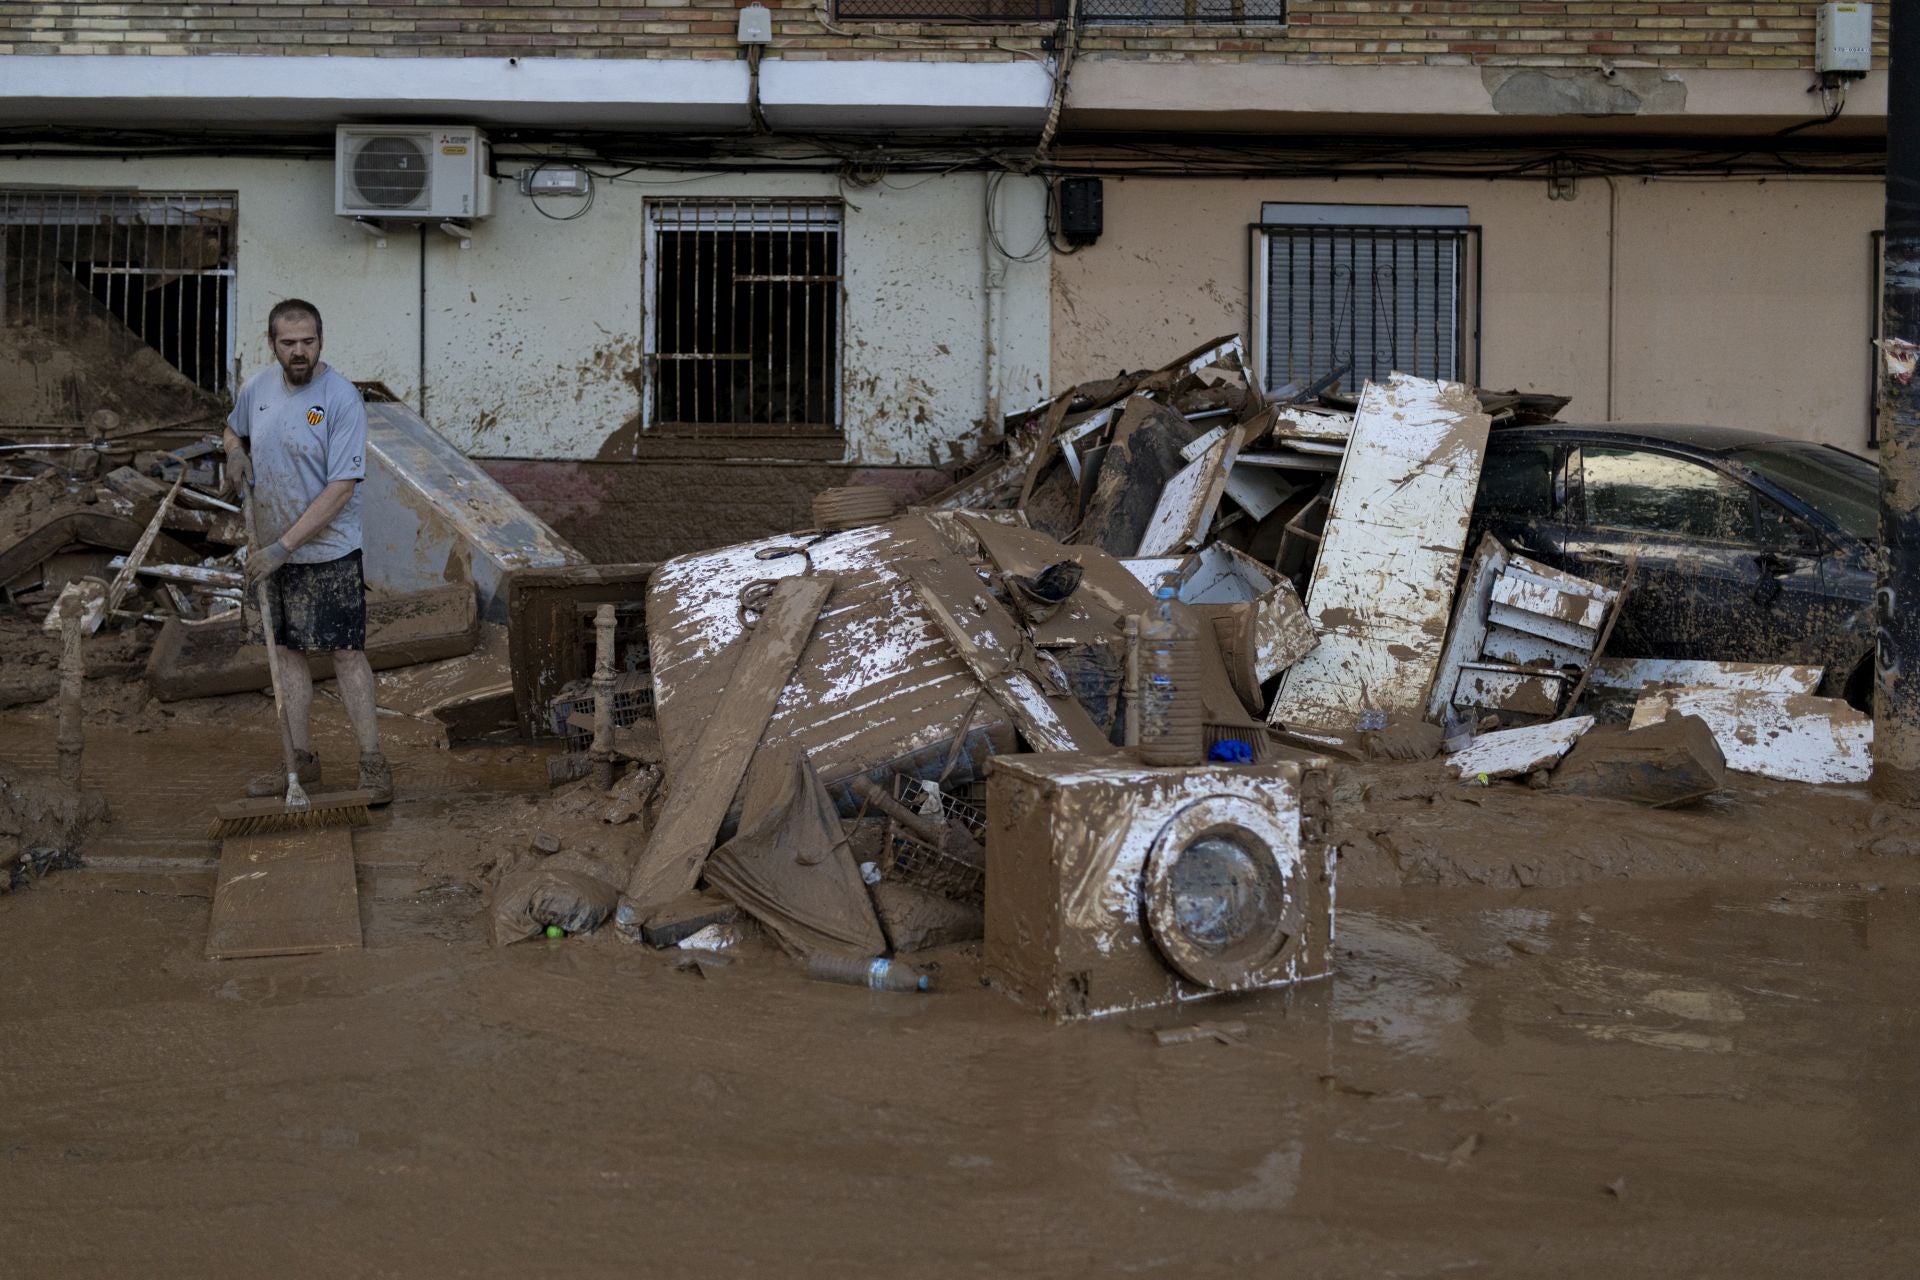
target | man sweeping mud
[{"x": 297, "y": 439}]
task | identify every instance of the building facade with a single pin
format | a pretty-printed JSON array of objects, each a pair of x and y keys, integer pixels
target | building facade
[{"x": 841, "y": 251}]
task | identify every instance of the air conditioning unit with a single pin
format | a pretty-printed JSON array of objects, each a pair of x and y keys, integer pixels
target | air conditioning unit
[{"x": 411, "y": 171}]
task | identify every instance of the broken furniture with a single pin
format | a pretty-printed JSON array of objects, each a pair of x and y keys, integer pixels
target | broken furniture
[
  {"x": 550, "y": 615},
  {"x": 1112, "y": 886},
  {"x": 200, "y": 659},
  {"x": 431, "y": 515},
  {"x": 1794, "y": 737}
]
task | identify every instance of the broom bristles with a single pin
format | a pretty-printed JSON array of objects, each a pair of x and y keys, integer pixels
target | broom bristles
[{"x": 308, "y": 819}]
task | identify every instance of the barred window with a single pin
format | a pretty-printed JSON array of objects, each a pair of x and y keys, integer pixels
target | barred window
[
  {"x": 743, "y": 325},
  {"x": 115, "y": 278},
  {"x": 1355, "y": 292}
]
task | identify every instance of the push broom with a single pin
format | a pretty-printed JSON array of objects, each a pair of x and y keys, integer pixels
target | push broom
[{"x": 295, "y": 811}]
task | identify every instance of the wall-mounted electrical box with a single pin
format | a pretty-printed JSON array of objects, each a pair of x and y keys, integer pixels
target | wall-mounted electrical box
[
  {"x": 1082, "y": 210},
  {"x": 1843, "y": 40},
  {"x": 756, "y": 25},
  {"x": 555, "y": 180}
]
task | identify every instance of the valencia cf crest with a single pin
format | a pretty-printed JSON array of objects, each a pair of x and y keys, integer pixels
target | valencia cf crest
[{"x": 316, "y": 414}]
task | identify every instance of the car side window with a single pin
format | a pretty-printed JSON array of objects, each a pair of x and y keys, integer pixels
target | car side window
[
  {"x": 1780, "y": 531},
  {"x": 1656, "y": 493},
  {"x": 1517, "y": 480}
]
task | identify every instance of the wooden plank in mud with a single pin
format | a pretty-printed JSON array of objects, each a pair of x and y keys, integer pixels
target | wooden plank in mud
[
  {"x": 703, "y": 787},
  {"x": 287, "y": 894},
  {"x": 1794, "y": 737},
  {"x": 1382, "y": 588}
]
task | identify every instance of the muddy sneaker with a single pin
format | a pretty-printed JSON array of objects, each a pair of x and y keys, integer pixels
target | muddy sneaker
[
  {"x": 376, "y": 776},
  {"x": 307, "y": 769}
]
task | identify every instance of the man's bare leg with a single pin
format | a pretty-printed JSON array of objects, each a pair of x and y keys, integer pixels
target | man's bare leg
[
  {"x": 355, "y": 674},
  {"x": 296, "y": 691},
  {"x": 350, "y": 667}
]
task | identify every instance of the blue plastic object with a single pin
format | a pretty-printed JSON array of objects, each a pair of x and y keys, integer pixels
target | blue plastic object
[{"x": 1230, "y": 751}]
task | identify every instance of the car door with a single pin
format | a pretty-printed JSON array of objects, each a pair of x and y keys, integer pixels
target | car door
[
  {"x": 1688, "y": 530},
  {"x": 1802, "y": 618},
  {"x": 1522, "y": 496}
]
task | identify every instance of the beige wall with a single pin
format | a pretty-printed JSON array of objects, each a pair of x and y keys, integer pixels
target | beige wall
[{"x": 1742, "y": 303}]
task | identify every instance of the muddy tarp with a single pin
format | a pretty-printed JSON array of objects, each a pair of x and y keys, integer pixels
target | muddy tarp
[
  {"x": 790, "y": 867},
  {"x": 526, "y": 902}
]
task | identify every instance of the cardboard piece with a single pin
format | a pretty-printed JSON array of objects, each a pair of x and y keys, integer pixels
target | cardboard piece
[
  {"x": 789, "y": 865},
  {"x": 286, "y": 894}
]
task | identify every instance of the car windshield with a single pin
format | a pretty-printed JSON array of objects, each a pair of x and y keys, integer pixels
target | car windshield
[{"x": 1842, "y": 487}]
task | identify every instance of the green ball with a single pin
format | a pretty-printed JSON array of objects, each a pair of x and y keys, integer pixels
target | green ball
[{"x": 555, "y": 931}]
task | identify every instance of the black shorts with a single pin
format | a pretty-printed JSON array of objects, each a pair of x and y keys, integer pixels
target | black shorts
[{"x": 319, "y": 608}]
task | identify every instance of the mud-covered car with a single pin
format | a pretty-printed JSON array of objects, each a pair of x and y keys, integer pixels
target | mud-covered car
[{"x": 1750, "y": 547}]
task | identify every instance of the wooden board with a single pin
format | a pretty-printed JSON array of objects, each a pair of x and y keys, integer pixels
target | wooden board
[
  {"x": 701, "y": 789},
  {"x": 1514, "y": 753},
  {"x": 290, "y": 894},
  {"x": 1637, "y": 673},
  {"x": 1187, "y": 504},
  {"x": 1382, "y": 588},
  {"x": 989, "y": 642},
  {"x": 1794, "y": 737},
  {"x": 1467, "y": 634}
]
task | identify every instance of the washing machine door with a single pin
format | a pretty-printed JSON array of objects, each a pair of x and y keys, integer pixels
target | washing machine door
[{"x": 1224, "y": 894}]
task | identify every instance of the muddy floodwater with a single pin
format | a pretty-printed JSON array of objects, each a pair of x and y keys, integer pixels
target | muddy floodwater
[{"x": 1599, "y": 1080}]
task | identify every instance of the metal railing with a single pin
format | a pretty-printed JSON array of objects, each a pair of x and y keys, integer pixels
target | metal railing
[
  {"x": 105, "y": 273},
  {"x": 743, "y": 323},
  {"x": 1158, "y": 13}
]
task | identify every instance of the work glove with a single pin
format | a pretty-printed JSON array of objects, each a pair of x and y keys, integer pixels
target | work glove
[
  {"x": 239, "y": 472},
  {"x": 262, "y": 563}
]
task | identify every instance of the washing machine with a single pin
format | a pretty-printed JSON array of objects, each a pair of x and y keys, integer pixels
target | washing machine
[{"x": 1112, "y": 886}]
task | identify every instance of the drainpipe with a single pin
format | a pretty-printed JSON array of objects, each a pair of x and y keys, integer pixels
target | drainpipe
[
  {"x": 994, "y": 271},
  {"x": 1896, "y": 700}
]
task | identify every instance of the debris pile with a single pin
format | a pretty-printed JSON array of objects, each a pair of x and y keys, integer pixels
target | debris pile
[{"x": 809, "y": 722}]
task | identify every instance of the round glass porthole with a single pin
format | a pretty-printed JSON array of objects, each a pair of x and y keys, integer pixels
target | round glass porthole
[{"x": 1218, "y": 898}]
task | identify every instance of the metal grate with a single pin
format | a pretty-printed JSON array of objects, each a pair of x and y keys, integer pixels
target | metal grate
[
  {"x": 743, "y": 334},
  {"x": 1184, "y": 13},
  {"x": 1157, "y": 13},
  {"x": 109, "y": 272},
  {"x": 1349, "y": 304},
  {"x": 632, "y": 700}
]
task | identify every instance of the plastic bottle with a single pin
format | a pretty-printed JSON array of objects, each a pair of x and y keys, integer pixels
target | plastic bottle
[
  {"x": 879, "y": 973},
  {"x": 1171, "y": 729}
]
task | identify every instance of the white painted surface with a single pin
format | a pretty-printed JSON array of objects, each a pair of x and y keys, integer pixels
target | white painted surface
[
  {"x": 533, "y": 334},
  {"x": 1638, "y": 673},
  {"x": 1187, "y": 504},
  {"x": 652, "y": 93},
  {"x": 1383, "y": 585},
  {"x": 1467, "y": 634},
  {"x": 1514, "y": 753},
  {"x": 1794, "y": 737}
]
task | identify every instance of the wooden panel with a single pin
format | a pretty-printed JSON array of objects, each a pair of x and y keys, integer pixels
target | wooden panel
[
  {"x": 285, "y": 895},
  {"x": 1383, "y": 586},
  {"x": 1637, "y": 673},
  {"x": 702, "y": 788},
  {"x": 1791, "y": 736},
  {"x": 1514, "y": 753},
  {"x": 1187, "y": 504}
]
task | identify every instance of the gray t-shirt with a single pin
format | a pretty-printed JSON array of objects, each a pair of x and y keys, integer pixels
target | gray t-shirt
[{"x": 301, "y": 439}]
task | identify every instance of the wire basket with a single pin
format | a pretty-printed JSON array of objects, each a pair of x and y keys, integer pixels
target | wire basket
[
  {"x": 965, "y": 804},
  {"x": 632, "y": 700},
  {"x": 907, "y": 859}
]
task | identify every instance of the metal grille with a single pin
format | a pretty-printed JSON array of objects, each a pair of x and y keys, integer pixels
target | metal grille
[
  {"x": 1182, "y": 13},
  {"x": 1158, "y": 13},
  {"x": 743, "y": 334},
  {"x": 632, "y": 701},
  {"x": 109, "y": 272},
  {"x": 1349, "y": 304}
]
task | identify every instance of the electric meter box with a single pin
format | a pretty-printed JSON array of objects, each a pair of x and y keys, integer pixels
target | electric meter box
[{"x": 1843, "y": 39}]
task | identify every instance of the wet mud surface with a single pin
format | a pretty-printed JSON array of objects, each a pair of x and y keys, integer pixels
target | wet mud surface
[{"x": 1710, "y": 1071}]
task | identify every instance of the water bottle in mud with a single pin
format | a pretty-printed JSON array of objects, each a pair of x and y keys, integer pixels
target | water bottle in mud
[
  {"x": 1171, "y": 730},
  {"x": 879, "y": 972}
]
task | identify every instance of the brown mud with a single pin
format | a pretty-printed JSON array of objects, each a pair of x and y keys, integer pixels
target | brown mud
[{"x": 1689, "y": 1050}]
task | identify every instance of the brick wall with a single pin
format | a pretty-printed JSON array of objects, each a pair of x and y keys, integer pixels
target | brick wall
[{"x": 1575, "y": 32}]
